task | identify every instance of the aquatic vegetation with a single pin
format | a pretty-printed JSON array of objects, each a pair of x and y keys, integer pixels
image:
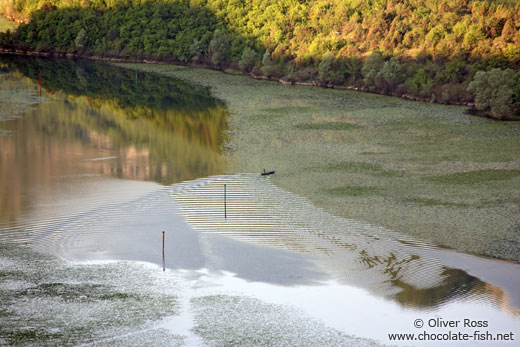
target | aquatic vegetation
[
  {"x": 261, "y": 248},
  {"x": 16, "y": 95},
  {"x": 280, "y": 111},
  {"x": 67, "y": 303},
  {"x": 476, "y": 177},
  {"x": 398, "y": 147},
  {"x": 256, "y": 329},
  {"x": 359, "y": 168},
  {"x": 327, "y": 126},
  {"x": 354, "y": 191},
  {"x": 435, "y": 202}
]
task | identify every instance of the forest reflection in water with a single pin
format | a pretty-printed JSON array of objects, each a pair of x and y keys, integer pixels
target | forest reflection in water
[{"x": 103, "y": 120}]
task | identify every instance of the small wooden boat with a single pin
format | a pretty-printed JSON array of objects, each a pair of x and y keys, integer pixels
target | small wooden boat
[{"x": 267, "y": 173}]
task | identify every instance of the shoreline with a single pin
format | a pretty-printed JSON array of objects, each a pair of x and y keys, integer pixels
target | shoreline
[{"x": 232, "y": 71}]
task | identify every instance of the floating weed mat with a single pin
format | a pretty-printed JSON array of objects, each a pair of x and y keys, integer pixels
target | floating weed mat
[
  {"x": 280, "y": 111},
  {"x": 44, "y": 301},
  {"x": 434, "y": 202},
  {"x": 250, "y": 322},
  {"x": 16, "y": 95},
  {"x": 327, "y": 126},
  {"x": 475, "y": 177},
  {"x": 358, "y": 168},
  {"x": 354, "y": 191},
  {"x": 354, "y": 167},
  {"x": 310, "y": 132}
]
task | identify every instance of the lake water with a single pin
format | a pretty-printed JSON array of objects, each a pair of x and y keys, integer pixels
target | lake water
[{"x": 106, "y": 159}]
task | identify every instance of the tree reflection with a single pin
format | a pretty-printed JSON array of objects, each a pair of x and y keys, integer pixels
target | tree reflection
[{"x": 100, "y": 122}]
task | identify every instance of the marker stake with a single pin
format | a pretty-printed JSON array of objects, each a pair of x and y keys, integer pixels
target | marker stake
[
  {"x": 40, "y": 77},
  {"x": 163, "y": 264}
]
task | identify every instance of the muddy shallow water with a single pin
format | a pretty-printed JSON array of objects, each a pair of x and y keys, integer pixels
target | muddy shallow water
[{"x": 107, "y": 159}]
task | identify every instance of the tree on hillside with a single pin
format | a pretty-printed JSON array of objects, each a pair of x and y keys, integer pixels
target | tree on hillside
[
  {"x": 390, "y": 75},
  {"x": 493, "y": 91},
  {"x": 218, "y": 47},
  {"x": 248, "y": 59},
  {"x": 325, "y": 67},
  {"x": 81, "y": 40},
  {"x": 371, "y": 67},
  {"x": 197, "y": 50},
  {"x": 516, "y": 93},
  {"x": 268, "y": 67}
]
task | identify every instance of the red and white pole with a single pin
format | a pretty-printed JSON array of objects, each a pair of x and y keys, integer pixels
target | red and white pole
[{"x": 163, "y": 265}]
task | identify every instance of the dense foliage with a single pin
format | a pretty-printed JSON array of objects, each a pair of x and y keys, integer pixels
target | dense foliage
[
  {"x": 6, "y": 24},
  {"x": 425, "y": 49},
  {"x": 493, "y": 91}
]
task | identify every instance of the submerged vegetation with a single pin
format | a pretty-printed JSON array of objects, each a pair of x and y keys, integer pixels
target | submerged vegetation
[
  {"x": 476, "y": 177},
  {"x": 354, "y": 191},
  {"x": 326, "y": 126},
  {"x": 423, "y": 49}
]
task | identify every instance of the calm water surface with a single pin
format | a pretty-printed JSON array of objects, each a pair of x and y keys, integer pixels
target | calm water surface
[{"x": 106, "y": 159}]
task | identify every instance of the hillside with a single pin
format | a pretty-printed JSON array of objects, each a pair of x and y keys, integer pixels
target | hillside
[{"x": 425, "y": 49}]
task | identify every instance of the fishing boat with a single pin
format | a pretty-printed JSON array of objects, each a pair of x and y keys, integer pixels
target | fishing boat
[{"x": 267, "y": 173}]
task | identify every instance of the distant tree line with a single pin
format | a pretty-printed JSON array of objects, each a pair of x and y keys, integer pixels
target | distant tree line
[{"x": 438, "y": 50}]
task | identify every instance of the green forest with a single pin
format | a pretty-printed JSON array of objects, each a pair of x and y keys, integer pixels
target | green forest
[{"x": 447, "y": 51}]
